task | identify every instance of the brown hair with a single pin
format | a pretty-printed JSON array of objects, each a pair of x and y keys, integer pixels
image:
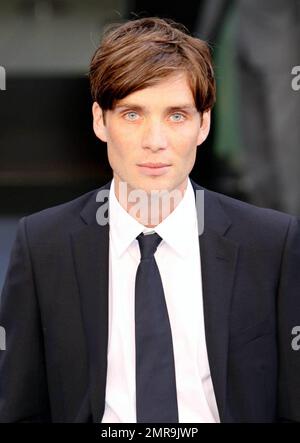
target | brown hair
[{"x": 140, "y": 53}]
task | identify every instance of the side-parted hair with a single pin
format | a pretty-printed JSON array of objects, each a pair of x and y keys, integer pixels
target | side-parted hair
[{"x": 141, "y": 53}]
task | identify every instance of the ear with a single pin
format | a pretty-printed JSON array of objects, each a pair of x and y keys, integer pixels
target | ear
[
  {"x": 98, "y": 122},
  {"x": 205, "y": 126}
]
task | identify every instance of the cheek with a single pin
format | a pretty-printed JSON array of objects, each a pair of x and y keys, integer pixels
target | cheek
[
  {"x": 116, "y": 146},
  {"x": 196, "y": 136},
  {"x": 185, "y": 144},
  {"x": 122, "y": 141}
]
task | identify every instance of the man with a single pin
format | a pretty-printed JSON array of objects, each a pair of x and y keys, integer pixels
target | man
[{"x": 112, "y": 322}]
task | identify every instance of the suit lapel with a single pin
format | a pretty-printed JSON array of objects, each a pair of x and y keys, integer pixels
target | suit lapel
[
  {"x": 218, "y": 262},
  {"x": 90, "y": 246},
  {"x": 218, "y": 259}
]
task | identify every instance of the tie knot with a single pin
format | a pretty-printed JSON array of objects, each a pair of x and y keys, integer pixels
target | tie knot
[{"x": 148, "y": 244}]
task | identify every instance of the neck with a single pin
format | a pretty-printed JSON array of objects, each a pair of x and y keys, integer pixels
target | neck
[{"x": 149, "y": 208}]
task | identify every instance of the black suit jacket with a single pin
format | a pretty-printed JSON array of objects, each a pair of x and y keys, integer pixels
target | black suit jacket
[{"x": 54, "y": 307}]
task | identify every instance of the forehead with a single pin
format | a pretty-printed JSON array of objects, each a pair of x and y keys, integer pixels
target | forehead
[{"x": 171, "y": 91}]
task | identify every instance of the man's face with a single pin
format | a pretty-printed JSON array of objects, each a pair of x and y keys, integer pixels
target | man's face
[{"x": 156, "y": 125}]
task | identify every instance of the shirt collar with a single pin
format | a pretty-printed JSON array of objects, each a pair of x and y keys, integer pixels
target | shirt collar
[{"x": 175, "y": 230}]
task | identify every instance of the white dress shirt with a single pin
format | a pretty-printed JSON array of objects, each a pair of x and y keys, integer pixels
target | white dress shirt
[{"x": 178, "y": 260}]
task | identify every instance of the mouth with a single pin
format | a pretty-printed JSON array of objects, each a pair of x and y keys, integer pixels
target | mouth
[
  {"x": 154, "y": 168},
  {"x": 154, "y": 165}
]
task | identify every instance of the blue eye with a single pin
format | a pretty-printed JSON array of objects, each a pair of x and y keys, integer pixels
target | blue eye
[
  {"x": 132, "y": 116},
  {"x": 178, "y": 117}
]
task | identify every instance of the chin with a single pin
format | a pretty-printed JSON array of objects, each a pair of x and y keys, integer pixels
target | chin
[{"x": 156, "y": 184}]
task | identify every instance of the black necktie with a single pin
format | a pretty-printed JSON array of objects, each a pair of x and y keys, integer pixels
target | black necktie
[{"x": 156, "y": 398}]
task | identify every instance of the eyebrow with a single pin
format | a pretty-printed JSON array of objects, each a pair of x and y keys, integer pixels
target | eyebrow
[{"x": 185, "y": 107}]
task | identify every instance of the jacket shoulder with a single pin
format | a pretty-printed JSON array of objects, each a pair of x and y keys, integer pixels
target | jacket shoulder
[
  {"x": 55, "y": 222},
  {"x": 239, "y": 208},
  {"x": 253, "y": 224}
]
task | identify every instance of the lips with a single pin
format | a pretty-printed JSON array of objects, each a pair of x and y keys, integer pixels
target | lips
[
  {"x": 154, "y": 169},
  {"x": 154, "y": 165}
]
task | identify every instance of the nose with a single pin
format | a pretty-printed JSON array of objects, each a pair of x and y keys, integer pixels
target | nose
[{"x": 154, "y": 136}]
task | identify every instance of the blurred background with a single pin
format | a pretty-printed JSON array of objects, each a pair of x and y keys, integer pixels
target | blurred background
[{"x": 48, "y": 151}]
